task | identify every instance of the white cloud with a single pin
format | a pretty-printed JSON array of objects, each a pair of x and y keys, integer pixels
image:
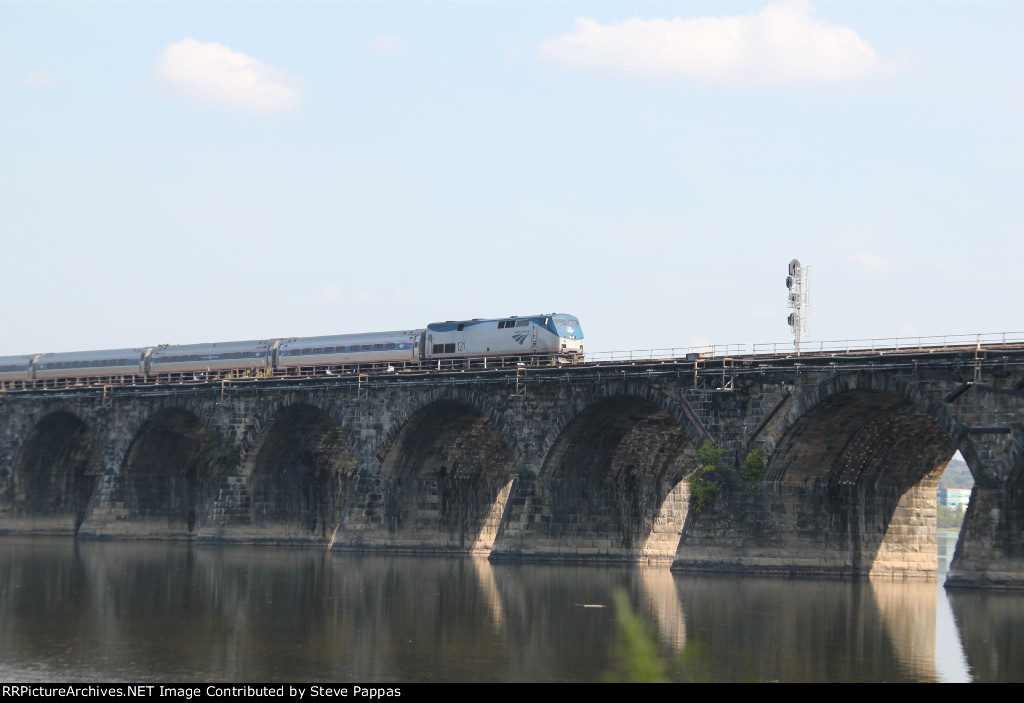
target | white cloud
[
  {"x": 213, "y": 73},
  {"x": 387, "y": 44},
  {"x": 871, "y": 262},
  {"x": 330, "y": 294},
  {"x": 43, "y": 78},
  {"x": 781, "y": 44}
]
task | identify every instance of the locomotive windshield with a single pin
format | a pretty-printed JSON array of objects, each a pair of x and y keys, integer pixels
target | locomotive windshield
[{"x": 567, "y": 326}]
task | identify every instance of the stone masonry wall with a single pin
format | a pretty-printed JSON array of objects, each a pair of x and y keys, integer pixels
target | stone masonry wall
[{"x": 579, "y": 463}]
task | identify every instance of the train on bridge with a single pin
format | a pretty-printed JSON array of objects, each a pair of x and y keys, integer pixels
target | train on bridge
[{"x": 556, "y": 337}]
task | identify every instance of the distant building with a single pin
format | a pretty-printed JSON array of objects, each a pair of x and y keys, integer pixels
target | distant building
[{"x": 955, "y": 497}]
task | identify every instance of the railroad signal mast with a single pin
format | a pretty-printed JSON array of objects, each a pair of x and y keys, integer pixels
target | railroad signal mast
[{"x": 799, "y": 284}]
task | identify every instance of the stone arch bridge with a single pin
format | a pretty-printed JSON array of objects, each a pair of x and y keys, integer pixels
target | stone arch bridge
[{"x": 585, "y": 462}]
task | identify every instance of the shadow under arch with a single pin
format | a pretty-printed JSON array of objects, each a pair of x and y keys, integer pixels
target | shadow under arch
[
  {"x": 55, "y": 475},
  {"x": 442, "y": 485},
  {"x": 611, "y": 487},
  {"x": 855, "y": 477},
  {"x": 293, "y": 483},
  {"x": 166, "y": 480}
]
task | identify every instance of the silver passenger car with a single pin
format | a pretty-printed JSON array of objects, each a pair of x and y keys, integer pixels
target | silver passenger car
[
  {"x": 16, "y": 368},
  {"x": 397, "y": 346},
  {"x": 106, "y": 362},
  {"x": 219, "y": 356}
]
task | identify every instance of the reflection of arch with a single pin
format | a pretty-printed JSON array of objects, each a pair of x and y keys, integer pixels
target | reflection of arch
[
  {"x": 611, "y": 485},
  {"x": 167, "y": 472},
  {"x": 300, "y": 468},
  {"x": 860, "y": 465},
  {"x": 446, "y": 477},
  {"x": 56, "y": 473}
]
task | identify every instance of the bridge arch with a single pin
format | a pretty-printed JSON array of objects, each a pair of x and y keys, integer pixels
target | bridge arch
[
  {"x": 271, "y": 411},
  {"x": 168, "y": 473},
  {"x": 55, "y": 475},
  {"x": 857, "y": 462},
  {"x": 806, "y": 400},
  {"x": 611, "y": 485},
  {"x": 459, "y": 396},
  {"x": 133, "y": 423},
  {"x": 591, "y": 396},
  {"x": 446, "y": 469},
  {"x": 297, "y": 473}
]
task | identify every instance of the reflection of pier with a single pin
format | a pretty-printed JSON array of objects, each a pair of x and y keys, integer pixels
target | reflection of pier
[
  {"x": 755, "y": 629},
  {"x": 908, "y": 613},
  {"x": 587, "y": 462},
  {"x": 990, "y": 625}
]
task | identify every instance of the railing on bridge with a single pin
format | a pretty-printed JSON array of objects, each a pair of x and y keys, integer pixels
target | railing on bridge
[
  {"x": 709, "y": 352},
  {"x": 887, "y": 345}
]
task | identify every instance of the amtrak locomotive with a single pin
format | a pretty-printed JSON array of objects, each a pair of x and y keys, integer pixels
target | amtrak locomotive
[{"x": 453, "y": 344}]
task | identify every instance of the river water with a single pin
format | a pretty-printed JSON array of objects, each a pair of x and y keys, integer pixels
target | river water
[{"x": 142, "y": 612}]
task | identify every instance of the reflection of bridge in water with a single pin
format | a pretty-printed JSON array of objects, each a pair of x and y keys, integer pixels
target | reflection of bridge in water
[
  {"x": 586, "y": 462},
  {"x": 292, "y": 614}
]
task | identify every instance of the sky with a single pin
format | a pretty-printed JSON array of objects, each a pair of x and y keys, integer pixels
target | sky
[{"x": 196, "y": 172}]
